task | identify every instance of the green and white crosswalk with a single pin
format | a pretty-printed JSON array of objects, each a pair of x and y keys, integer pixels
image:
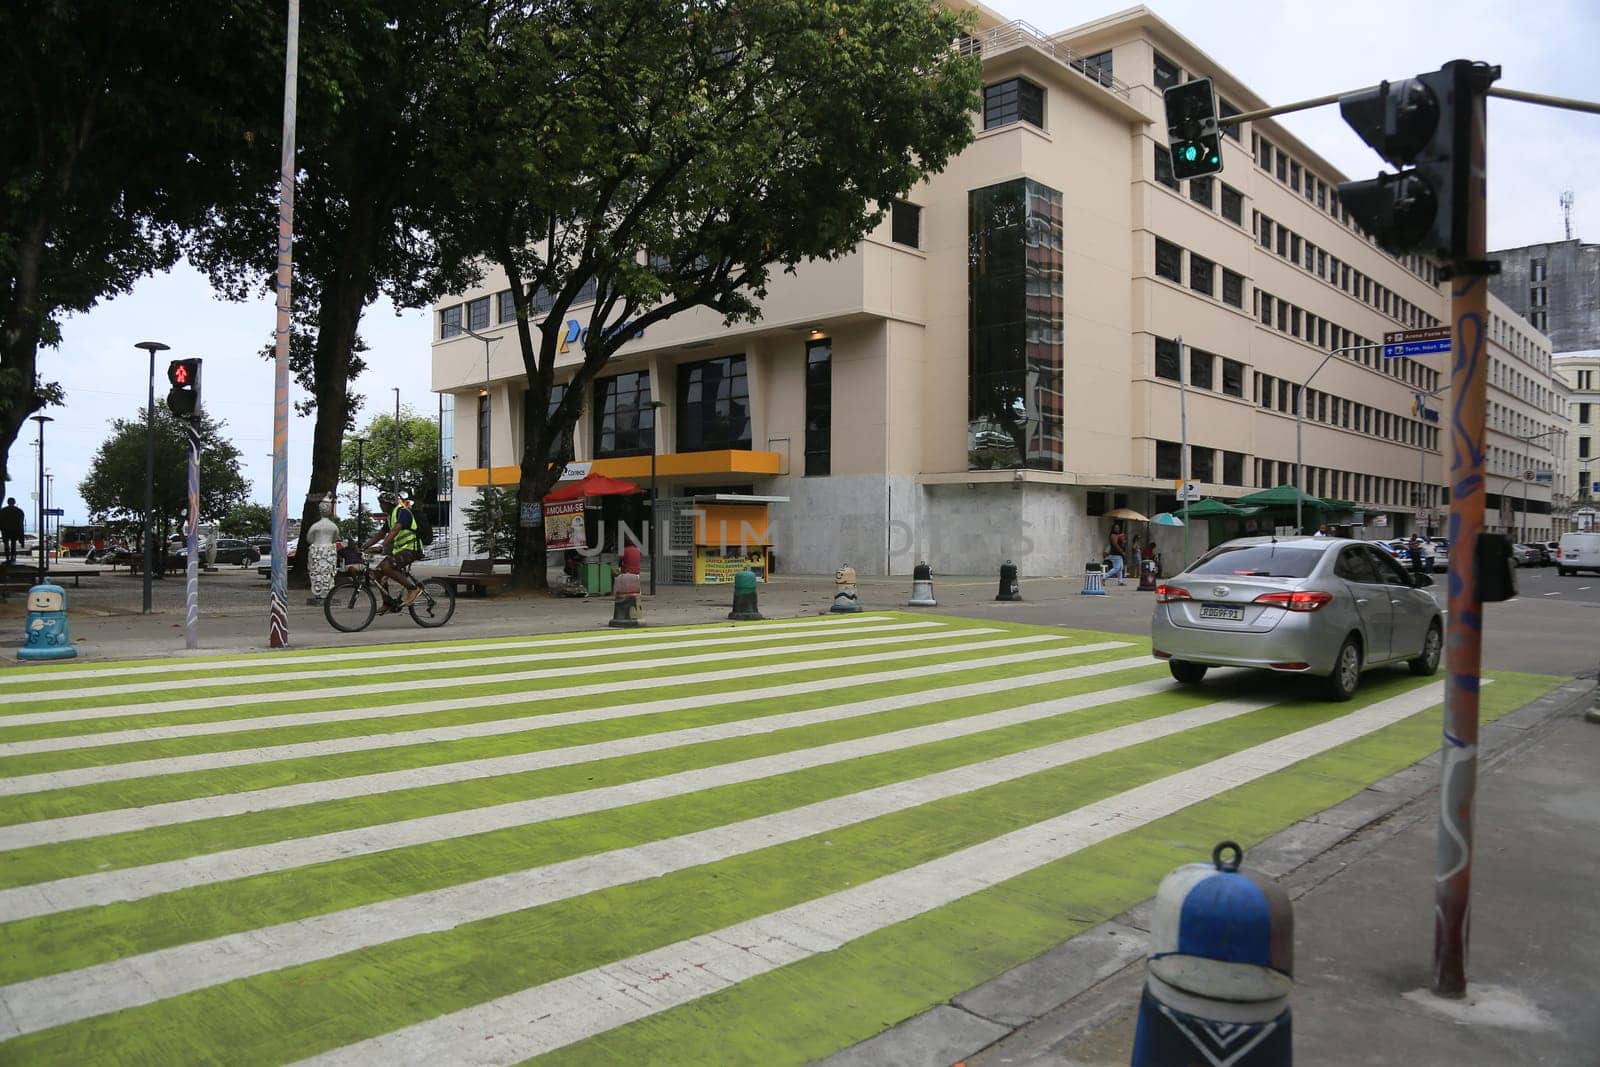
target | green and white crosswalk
[{"x": 757, "y": 843}]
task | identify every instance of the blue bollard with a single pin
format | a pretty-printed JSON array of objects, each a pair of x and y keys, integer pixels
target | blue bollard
[
  {"x": 1093, "y": 579},
  {"x": 1220, "y": 969},
  {"x": 45, "y": 631}
]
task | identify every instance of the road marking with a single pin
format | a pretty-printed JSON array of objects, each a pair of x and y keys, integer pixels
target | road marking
[
  {"x": 1584, "y": 588},
  {"x": 22, "y": 676},
  {"x": 40, "y": 1003},
  {"x": 512, "y": 702},
  {"x": 123, "y": 820},
  {"x": 510, "y": 1029},
  {"x": 1550, "y": 594},
  {"x": 207, "y": 761},
  {"x": 464, "y": 665},
  {"x": 133, "y": 883}
]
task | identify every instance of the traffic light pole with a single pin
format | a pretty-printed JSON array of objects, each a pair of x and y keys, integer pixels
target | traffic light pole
[
  {"x": 191, "y": 612},
  {"x": 278, "y": 618},
  {"x": 1469, "y": 382}
]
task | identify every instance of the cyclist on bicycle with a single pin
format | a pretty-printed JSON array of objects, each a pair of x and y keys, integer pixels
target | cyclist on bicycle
[{"x": 401, "y": 543}]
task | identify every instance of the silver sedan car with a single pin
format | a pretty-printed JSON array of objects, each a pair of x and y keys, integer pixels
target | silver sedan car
[{"x": 1324, "y": 606}]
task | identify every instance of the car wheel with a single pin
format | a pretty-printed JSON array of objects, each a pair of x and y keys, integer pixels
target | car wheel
[
  {"x": 1427, "y": 662},
  {"x": 1563, "y": 572},
  {"x": 1346, "y": 675},
  {"x": 1186, "y": 672}
]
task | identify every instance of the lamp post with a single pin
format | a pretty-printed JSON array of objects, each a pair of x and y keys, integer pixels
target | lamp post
[
  {"x": 488, "y": 439},
  {"x": 1299, "y": 416},
  {"x": 49, "y": 506},
  {"x": 151, "y": 347},
  {"x": 1183, "y": 445},
  {"x": 1527, "y": 464},
  {"x": 655, "y": 537},
  {"x": 44, "y": 565},
  {"x": 361, "y": 511}
]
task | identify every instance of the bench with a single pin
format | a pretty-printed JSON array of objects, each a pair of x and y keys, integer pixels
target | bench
[
  {"x": 479, "y": 575},
  {"x": 29, "y": 579}
]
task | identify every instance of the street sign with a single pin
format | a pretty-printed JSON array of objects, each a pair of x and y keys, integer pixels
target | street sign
[
  {"x": 1427, "y": 342},
  {"x": 1545, "y": 477},
  {"x": 55, "y": 513},
  {"x": 1187, "y": 491}
]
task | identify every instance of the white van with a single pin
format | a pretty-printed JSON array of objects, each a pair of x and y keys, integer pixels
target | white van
[{"x": 1579, "y": 552}]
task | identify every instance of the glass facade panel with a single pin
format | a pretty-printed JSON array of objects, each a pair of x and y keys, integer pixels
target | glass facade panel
[
  {"x": 1015, "y": 304},
  {"x": 624, "y": 422},
  {"x": 713, "y": 405},
  {"x": 819, "y": 408}
]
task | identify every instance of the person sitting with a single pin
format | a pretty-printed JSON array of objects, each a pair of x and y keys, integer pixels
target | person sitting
[{"x": 403, "y": 544}]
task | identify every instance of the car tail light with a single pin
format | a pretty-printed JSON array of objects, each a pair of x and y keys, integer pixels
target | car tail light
[
  {"x": 1308, "y": 601},
  {"x": 1167, "y": 593}
]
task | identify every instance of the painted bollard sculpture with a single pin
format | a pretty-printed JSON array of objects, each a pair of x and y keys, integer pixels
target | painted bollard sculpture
[
  {"x": 625, "y": 609},
  {"x": 745, "y": 606},
  {"x": 46, "y": 634},
  {"x": 1220, "y": 969},
  {"x": 845, "y": 600},
  {"x": 922, "y": 587}
]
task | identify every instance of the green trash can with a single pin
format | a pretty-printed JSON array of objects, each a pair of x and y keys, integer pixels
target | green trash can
[{"x": 597, "y": 578}]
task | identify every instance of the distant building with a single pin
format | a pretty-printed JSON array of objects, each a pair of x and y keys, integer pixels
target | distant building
[
  {"x": 1581, "y": 372},
  {"x": 1556, "y": 287}
]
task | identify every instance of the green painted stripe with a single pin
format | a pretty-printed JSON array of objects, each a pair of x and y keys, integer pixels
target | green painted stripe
[
  {"x": 300, "y": 1010},
  {"x": 66, "y": 859},
  {"x": 808, "y": 1010}
]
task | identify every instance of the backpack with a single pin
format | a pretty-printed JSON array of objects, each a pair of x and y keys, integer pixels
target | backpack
[{"x": 424, "y": 527}]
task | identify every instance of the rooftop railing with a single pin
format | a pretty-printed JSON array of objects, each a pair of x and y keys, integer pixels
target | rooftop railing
[{"x": 1019, "y": 34}]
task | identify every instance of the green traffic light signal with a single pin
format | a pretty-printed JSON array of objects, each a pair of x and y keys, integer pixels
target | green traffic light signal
[{"x": 1190, "y": 153}]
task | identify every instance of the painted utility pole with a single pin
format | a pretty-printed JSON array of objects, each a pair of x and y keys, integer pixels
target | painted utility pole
[
  {"x": 191, "y": 574},
  {"x": 278, "y": 620}
]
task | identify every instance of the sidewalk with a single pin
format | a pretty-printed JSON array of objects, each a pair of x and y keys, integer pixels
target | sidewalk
[{"x": 1361, "y": 875}]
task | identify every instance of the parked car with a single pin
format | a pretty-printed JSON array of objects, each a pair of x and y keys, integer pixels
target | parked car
[
  {"x": 1441, "y": 554},
  {"x": 1579, "y": 552},
  {"x": 1400, "y": 549},
  {"x": 1324, "y": 606},
  {"x": 1526, "y": 555},
  {"x": 1552, "y": 550},
  {"x": 230, "y": 550}
]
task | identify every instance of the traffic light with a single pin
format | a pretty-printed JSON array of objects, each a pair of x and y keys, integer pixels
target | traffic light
[
  {"x": 1192, "y": 131},
  {"x": 183, "y": 399},
  {"x": 1426, "y": 121}
]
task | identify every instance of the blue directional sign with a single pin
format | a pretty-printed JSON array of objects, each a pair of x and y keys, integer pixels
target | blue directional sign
[
  {"x": 55, "y": 513},
  {"x": 1427, "y": 342}
]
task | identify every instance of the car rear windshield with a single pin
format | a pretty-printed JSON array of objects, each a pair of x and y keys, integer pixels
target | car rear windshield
[{"x": 1260, "y": 561}]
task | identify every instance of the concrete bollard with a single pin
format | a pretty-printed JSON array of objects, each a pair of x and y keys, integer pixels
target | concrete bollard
[
  {"x": 1009, "y": 589},
  {"x": 46, "y": 634},
  {"x": 625, "y": 609},
  {"x": 1094, "y": 574},
  {"x": 845, "y": 600},
  {"x": 1147, "y": 576},
  {"x": 1220, "y": 969},
  {"x": 745, "y": 608},
  {"x": 922, "y": 587}
]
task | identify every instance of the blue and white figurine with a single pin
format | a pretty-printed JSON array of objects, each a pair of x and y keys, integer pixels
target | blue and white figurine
[{"x": 46, "y": 634}]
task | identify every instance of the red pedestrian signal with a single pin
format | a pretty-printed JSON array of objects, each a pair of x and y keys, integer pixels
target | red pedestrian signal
[{"x": 183, "y": 399}]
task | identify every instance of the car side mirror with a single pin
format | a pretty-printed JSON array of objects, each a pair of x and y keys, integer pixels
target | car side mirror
[{"x": 1422, "y": 579}]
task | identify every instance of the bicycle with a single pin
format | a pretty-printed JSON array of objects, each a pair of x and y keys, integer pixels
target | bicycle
[{"x": 352, "y": 603}]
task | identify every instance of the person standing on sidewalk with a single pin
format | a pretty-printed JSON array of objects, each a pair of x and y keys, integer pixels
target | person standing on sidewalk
[
  {"x": 1119, "y": 553},
  {"x": 11, "y": 520}
]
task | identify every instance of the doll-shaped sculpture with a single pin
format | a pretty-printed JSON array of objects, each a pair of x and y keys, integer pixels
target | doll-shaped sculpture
[
  {"x": 323, "y": 562},
  {"x": 45, "y": 634}
]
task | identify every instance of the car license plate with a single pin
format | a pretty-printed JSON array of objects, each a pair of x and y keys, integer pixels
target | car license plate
[{"x": 1222, "y": 611}]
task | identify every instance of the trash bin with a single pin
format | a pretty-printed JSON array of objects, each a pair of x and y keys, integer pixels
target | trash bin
[{"x": 597, "y": 578}]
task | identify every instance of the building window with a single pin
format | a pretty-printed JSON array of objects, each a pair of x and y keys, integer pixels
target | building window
[
  {"x": 508, "y": 306},
  {"x": 1166, "y": 359},
  {"x": 1233, "y": 468},
  {"x": 1200, "y": 190},
  {"x": 1583, "y": 413},
  {"x": 1539, "y": 320},
  {"x": 1283, "y": 167},
  {"x": 1536, "y": 270},
  {"x": 1098, "y": 67},
  {"x": 478, "y": 313},
  {"x": 1164, "y": 174},
  {"x": 450, "y": 322},
  {"x": 1233, "y": 380},
  {"x": 713, "y": 405},
  {"x": 1201, "y": 275},
  {"x": 1266, "y": 307},
  {"x": 1165, "y": 73},
  {"x": 1538, "y": 296},
  {"x": 1169, "y": 462},
  {"x": 1225, "y": 110},
  {"x": 1266, "y": 390},
  {"x": 624, "y": 422},
  {"x": 1015, "y": 347},
  {"x": 563, "y": 451},
  {"x": 586, "y": 294},
  {"x": 483, "y": 429},
  {"x": 1232, "y": 288},
  {"x": 1169, "y": 260},
  {"x": 1232, "y": 205},
  {"x": 1202, "y": 464},
  {"x": 1583, "y": 447},
  {"x": 819, "y": 408},
  {"x": 905, "y": 224},
  {"x": 1200, "y": 364},
  {"x": 1011, "y": 101},
  {"x": 1266, "y": 233}
]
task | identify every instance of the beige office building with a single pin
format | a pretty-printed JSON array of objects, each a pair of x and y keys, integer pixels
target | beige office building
[
  {"x": 1580, "y": 372},
  {"x": 997, "y": 366}
]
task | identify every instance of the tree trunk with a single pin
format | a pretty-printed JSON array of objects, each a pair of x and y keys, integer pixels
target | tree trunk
[{"x": 19, "y": 346}]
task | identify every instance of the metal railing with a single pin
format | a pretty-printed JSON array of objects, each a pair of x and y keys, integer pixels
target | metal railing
[{"x": 1018, "y": 34}]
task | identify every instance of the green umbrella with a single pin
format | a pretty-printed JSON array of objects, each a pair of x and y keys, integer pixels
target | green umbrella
[
  {"x": 1283, "y": 496},
  {"x": 1211, "y": 509}
]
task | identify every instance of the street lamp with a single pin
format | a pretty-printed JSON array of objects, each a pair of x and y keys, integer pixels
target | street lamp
[
  {"x": 397, "y": 442},
  {"x": 487, "y": 439},
  {"x": 655, "y": 536},
  {"x": 151, "y": 347},
  {"x": 44, "y": 564},
  {"x": 1300, "y": 391},
  {"x": 49, "y": 506},
  {"x": 1527, "y": 464}
]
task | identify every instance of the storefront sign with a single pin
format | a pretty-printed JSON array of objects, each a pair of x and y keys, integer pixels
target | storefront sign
[
  {"x": 563, "y": 524},
  {"x": 711, "y": 567},
  {"x": 578, "y": 334},
  {"x": 1421, "y": 410},
  {"x": 532, "y": 514},
  {"x": 573, "y": 471}
]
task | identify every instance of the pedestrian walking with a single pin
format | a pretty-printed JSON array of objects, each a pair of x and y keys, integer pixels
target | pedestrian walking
[
  {"x": 1416, "y": 554},
  {"x": 1118, "y": 553},
  {"x": 11, "y": 520}
]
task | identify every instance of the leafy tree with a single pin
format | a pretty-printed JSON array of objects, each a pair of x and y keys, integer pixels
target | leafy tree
[
  {"x": 113, "y": 490},
  {"x": 366, "y": 201},
  {"x": 497, "y": 539},
  {"x": 246, "y": 520},
  {"x": 115, "y": 141},
  {"x": 415, "y": 447},
  {"x": 671, "y": 153}
]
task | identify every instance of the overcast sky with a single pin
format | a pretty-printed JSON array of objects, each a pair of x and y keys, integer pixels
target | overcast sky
[{"x": 1284, "y": 51}]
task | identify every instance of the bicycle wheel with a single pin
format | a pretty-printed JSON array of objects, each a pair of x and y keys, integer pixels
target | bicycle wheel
[
  {"x": 350, "y": 606},
  {"x": 436, "y": 604}
]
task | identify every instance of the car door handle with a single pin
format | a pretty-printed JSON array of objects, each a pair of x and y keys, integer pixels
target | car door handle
[{"x": 1361, "y": 600}]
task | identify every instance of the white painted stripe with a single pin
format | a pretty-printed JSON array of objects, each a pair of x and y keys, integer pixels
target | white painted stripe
[
  {"x": 206, "y": 761},
  {"x": 514, "y": 704},
  {"x": 98, "y": 824},
  {"x": 516, "y": 1027},
  {"x": 126, "y": 983},
  {"x": 1550, "y": 594},
  {"x": 241, "y": 701},
  {"x": 24, "y": 676},
  {"x": 106, "y": 887},
  {"x": 774, "y": 644}
]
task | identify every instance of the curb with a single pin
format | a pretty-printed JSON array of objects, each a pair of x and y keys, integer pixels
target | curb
[{"x": 1057, "y": 983}]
